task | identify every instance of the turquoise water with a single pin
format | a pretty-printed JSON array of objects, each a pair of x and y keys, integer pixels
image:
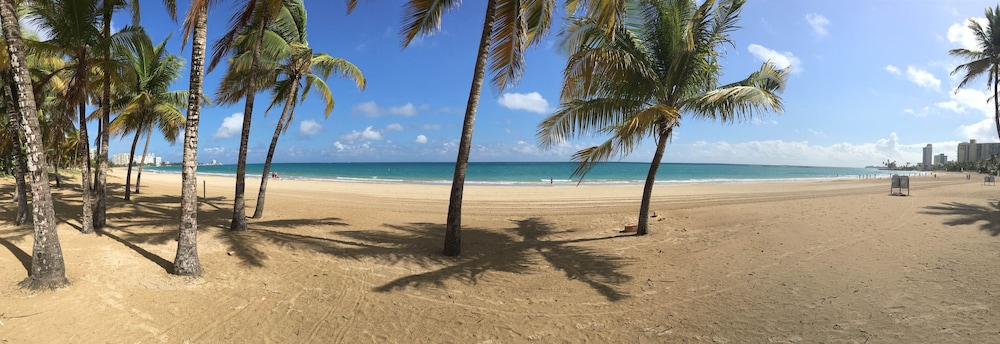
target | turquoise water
[{"x": 505, "y": 173}]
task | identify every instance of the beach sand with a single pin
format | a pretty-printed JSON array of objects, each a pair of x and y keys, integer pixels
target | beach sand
[{"x": 330, "y": 262}]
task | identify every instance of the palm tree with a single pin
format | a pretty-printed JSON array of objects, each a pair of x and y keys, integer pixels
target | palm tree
[
  {"x": 47, "y": 267},
  {"x": 148, "y": 104},
  {"x": 664, "y": 63},
  {"x": 73, "y": 25},
  {"x": 195, "y": 25},
  {"x": 983, "y": 61},
  {"x": 107, "y": 10},
  {"x": 293, "y": 61},
  {"x": 186, "y": 262},
  {"x": 16, "y": 146},
  {"x": 253, "y": 18},
  {"x": 510, "y": 26}
]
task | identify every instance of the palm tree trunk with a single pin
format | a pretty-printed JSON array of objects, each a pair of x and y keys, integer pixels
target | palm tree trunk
[
  {"x": 285, "y": 112},
  {"x": 647, "y": 190},
  {"x": 452, "y": 235},
  {"x": 142, "y": 161},
  {"x": 48, "y": 270},
  {"x": 131, "y": 161},
  {"x": 101, "y": 210},
  {"x": 996, "y": 102},
  {"x": 87, "y": 221},
  {"x": 55, "y": 153},
  {"x": 20, "y": 194},
  {"x": 100, "y": 129},
  {"x": 186, "y": 261},
  {"x": 239, "y": 222}
]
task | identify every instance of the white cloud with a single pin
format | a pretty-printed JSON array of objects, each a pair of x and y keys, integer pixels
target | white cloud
[
  {"x": 310, "y": 127},
  {"x": 780, "y": 60},
  {"x": 430, "y": 127},
  {"x": 893, "y": 70},
  {"x": 983, "y": 131},
  {"x": 801, "y": 153},
  {"x": 923, "y": 78},
  {"x": 921, "y": 113},
  {"x": 533, "y": 102},
  {"x": 231, "y": 126},
  {"x": 367, "y": 134},
  {"x": 394, "y": 127},
  {"x": 421, "y": 139},
  {"x": 818, "y": 23},
  {"x": 960, "y": 33},
  {"x": 372, "y": 109}
]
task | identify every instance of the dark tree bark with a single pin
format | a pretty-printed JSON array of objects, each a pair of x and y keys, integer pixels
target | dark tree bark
[
  {"x": 285, "y": 113},
  {"x": 142, "y": 161},
  {"x": 239, "y": 222},
  {"x": 452, "y": 236},
  {"x": 131, "y": 161},
  {"x": 87, "y": 220},
  {"x": 48, "y": 270},
  {"x": 647, "y": 191},
  {"x": 20, "y": 187},
  {"x": 186, "y": 262}
]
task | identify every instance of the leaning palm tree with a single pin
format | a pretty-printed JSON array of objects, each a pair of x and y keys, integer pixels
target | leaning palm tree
[
  {"x": 148, "y": 104},
  {"x": 289, "y": 61},
  {"x": 663, "y": 63},
  {"x": 986, "y": 60},
  {"x": 251, "y": 20},
  {"x": 48, "y": 269},
  {"x": 509, "y": 28}
]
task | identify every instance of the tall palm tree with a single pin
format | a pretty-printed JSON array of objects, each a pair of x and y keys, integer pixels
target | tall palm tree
[
  {"x": 15, "y": 144},
  {"x": 289, "y": 61},
  {"x": 73, "y": 25},
  {"x": 986, "y": 60},
  {"x": 664, "y": 63},
  {"x": 252, "y": 19},
  {"x": 48, "y": 269},
  {"x": 148, "y": 104},
  {"x": 107, "y": 10},
  {"x": 186, "y": 262},
  {"x": 510, "y": 26}
]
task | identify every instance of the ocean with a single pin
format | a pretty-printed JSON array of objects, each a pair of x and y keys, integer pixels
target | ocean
[{"x": 536, "y": 173}]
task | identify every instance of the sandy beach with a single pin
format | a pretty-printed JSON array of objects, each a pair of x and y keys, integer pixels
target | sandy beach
[{"x": 330, "y": 262}]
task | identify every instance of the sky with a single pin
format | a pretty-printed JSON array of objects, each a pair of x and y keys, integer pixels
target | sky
[{"x": 870, "y": 81}]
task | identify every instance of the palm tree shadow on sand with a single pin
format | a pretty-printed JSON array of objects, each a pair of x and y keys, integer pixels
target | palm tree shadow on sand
[
  {"x": 521, "y": 251},
  {"x": 988, "y": 217}
]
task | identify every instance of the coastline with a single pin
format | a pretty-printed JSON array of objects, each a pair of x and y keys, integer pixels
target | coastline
[{"x": 356, "y": 262}]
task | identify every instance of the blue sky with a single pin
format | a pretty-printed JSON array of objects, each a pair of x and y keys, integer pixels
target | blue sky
[{"x": 870, "y": 81}]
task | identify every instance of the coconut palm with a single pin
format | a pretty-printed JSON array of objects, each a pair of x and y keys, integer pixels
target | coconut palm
[
  {"x": 195, "y": 26},
  {"x": 73, "y": 25},
  {"x": 148, "y": 105},
  {"x": 48, "y": 269},
  {"x": 664, "y": 63},
  {"x": 290, "y": 62},
  {"x": 986, "y": 60},
  {"x": 251, "y": 20},
  {"x": 510, "y": 26}
]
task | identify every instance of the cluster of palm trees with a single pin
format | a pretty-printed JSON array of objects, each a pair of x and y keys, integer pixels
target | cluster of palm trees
[{"x": 50, "y": 83}]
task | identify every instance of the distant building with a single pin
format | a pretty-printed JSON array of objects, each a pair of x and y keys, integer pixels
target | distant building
[
  {"x": 928, "y": 156},
  {"x": 121, "y": 159},
  {"x": 940, "y": 159},
  {"x": 972, "y": 151}
]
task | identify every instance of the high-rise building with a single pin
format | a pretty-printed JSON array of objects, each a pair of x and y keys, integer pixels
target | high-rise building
[
  {"x": 972, "y": 151},
  {"x": 928, "y": 156},
  {"x": 940, "y": 159}
]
